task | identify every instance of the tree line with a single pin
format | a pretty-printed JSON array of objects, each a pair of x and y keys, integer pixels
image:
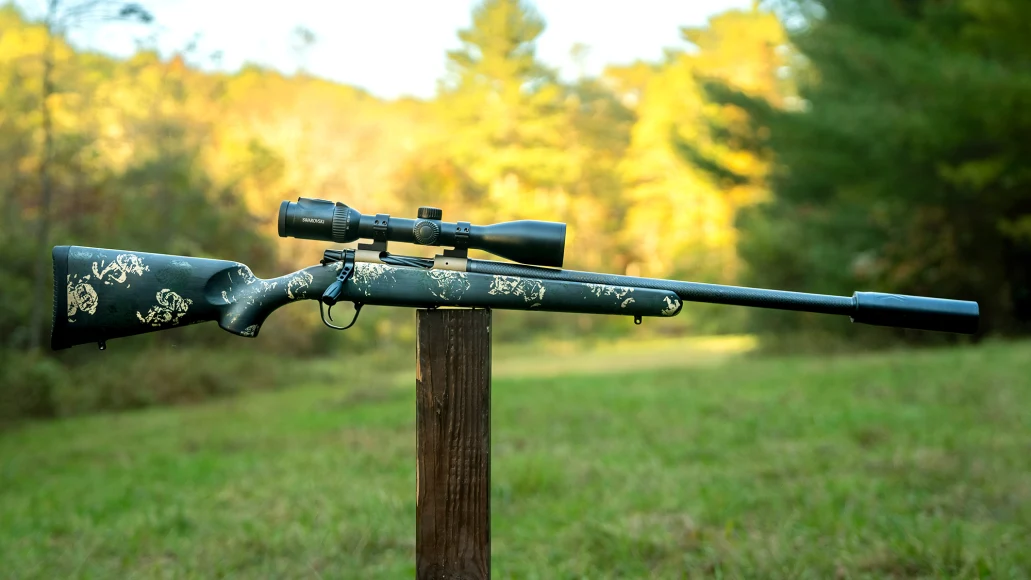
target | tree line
[
  {"x": 900, "y": 164},
  {"x": 823, "y": 146}
]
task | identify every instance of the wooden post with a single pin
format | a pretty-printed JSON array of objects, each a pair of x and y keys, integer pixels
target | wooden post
[{"x": 452, "y": 416}]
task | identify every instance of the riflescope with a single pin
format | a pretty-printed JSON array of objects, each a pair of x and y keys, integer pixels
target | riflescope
[{"x": 527, "y": 241}]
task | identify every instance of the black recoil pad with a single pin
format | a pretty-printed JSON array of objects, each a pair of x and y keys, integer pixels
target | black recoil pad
[
  {"x": 59, "y": 324},
  {"x": 917, "y": 312}
]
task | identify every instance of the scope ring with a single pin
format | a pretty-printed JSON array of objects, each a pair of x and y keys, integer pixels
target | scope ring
[
  {"x": 462, "y": 235},
  {"x": 379, "y": 227}
]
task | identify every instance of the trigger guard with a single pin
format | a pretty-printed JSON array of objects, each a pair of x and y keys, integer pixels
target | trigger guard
[{"x": 324, "y": 313}]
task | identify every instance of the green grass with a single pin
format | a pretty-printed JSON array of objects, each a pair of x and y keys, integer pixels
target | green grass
[{"x": 891, "y": 465}]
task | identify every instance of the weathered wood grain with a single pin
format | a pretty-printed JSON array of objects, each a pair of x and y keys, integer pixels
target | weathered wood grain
[{"x": 452, "y": 514}]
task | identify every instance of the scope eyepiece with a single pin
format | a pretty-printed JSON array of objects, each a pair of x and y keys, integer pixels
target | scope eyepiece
[
  {"x": 318, "y": 219},
  {"x": 528, "y": 241}
]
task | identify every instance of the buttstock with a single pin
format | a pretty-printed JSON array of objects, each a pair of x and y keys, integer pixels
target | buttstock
[{"x": 100, "y": 294}]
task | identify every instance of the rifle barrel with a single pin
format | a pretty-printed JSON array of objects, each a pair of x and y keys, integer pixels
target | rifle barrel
[{"x": 875, "y": 308}]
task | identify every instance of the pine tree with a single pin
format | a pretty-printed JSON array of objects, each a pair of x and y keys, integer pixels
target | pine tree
[
  {"x": 682, "y": 216},
  {"x": 902, "y": 167},
  {"x": 505, "y": 109}
]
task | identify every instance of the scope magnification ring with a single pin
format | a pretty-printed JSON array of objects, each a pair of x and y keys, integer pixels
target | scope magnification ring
[
  {"x": 426, "y": 232},
  {"x": 341, "y": 223}
]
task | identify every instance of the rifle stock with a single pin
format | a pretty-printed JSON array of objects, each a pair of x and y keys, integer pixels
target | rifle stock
[{"x": 100, "y": 294}]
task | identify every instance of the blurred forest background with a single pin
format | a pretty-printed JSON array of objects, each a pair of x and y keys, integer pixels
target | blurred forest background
[{"x": 814, "y": 145}]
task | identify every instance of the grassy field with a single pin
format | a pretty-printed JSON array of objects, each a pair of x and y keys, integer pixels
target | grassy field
[{"x": 702, "y": 462}]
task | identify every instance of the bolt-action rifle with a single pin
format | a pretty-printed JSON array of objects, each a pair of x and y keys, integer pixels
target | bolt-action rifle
[{"x": 101, "y": 294}]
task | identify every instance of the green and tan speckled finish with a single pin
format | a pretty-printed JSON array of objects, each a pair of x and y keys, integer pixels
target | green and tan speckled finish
[{"x": 102, "y": 294}]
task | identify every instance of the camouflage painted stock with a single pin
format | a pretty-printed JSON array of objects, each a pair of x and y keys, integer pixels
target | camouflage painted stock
[{"x": 100, "y": 294}]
